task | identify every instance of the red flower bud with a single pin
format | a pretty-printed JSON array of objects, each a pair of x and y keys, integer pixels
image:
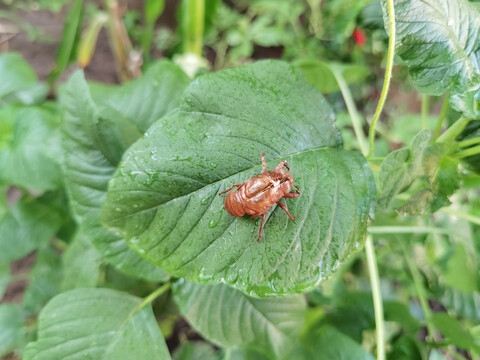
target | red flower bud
[{"x": 359, "y": 37}]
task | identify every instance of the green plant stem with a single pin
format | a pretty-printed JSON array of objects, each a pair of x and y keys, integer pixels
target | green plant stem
[
  {"x": 425, "y": 110},
  {"x": 453, "y": 131},
  {"x": 152, "y": 296},
  {"x": 441, "y": 117},
  {"x": 376, "y": 159},
  {"x": 194, "y": 26},
  {"x": 406, "y": 230},
  {"x": 377, "y": 297},
  {"x": 420, "y": 289},
  {"x": 468, "y": 152},
  {"x": 352, "y": 110},
  {"x": 461, "y": 215},
  {"x": 469, "y": 142},
  {"x": 388, "y": 75}
]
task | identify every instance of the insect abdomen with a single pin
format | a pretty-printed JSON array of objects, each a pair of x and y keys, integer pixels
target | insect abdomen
[{"x": 234, "y": 204}]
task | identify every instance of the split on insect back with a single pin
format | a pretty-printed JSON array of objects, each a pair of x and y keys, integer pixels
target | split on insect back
[
  {"x": 258, "y": 194},
  {"x": 163, "y": 198}
]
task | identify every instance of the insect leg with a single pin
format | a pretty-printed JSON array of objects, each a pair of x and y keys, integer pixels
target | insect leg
[
  {"x": 223, "y": 192},
  {"x": 264, "y": 164},
  {"x": 261, "y": 228},
  {"x": 280, "y": 166},
  {"x": 285, "y": 209}
]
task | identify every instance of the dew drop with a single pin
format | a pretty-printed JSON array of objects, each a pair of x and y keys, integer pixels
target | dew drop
[{"x": 212, "y": 224}]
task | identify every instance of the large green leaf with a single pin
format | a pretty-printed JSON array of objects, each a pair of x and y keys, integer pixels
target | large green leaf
[
  {"x": 29, "y": 147},
  {"x": 438, "y": 40},
  {"x": 27, "y": 226},
  {"x": 229, "y": 318},
  {"x": 97, "y": 324},
  {"x": 95, "y": 137},
  {"x": 464, "y": 304},
  {"x": 11, "y": 328},
  {"x": 164, "y": 196}
]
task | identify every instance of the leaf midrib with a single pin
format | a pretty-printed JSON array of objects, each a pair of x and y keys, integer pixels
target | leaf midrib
[{"x": 213, "y": 183}]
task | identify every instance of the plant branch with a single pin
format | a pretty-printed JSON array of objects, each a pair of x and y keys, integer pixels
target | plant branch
[
  {"x": 453, "y": 131},
  {"x": 441, "y": 117},
  {"x": 469, "y": 142},
  {"x": 377, "y": 297},
  {"x": 468, "y": 152},
  {"x": 388, "y": 75},
  {"x": 352, "y": 110},
  {"x": 425, "y": 110},
  {"x": 420, "y": 289},
  {"x": 406, "y": 230},
  {"x": 461, "y": 215},
  {"x": 194, "y": 26}
]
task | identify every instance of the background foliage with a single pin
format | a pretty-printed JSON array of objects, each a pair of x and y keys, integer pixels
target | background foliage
[{"x": 109, "y": 192}]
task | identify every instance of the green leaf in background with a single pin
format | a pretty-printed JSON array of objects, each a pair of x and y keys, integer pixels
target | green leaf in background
[
  {"x": 44, "y": 280},
  {"x": 438, "y": 40},
  {"x": 407, "y": 347},
  {"x": 5, "y": 278},
  {"x": 464, "y": 304},
  {"x": 90, "y": 160},
  {"x": 460, "y": 273},
  {"x": 230, "y": 318},
  {"x": 327, "y": 343},
  {"x": 27, "y": 226},
  {"x": 19, "y": 81},
  {"x": 323, "y": 75},
  {"x": 164, "y": 196},
  {"x": 30, "y": 147},
  {"x": 81, "y": 263},
  {"x": 11, "y": 328},
  {"x": 195, "y": 350},
  {"x": 67, "y": 50},
  {"x": 97, "y": 324},
  {"x": 430, "y": 163},
  {"x": 454, "y": 331},
  {"x": 400, "y": 313}
]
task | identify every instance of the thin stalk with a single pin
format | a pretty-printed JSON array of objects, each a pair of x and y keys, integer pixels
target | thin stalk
[
  {"x": 421, "y": 292},
  {"x": 352, "y": 110},
  {"x": 388, "y": 75},
  {"x": 406, "y": 230},
  {"x": 461, "y": 215},
  {"x": 377, "y": 297},
  {"x": 453, "y": 131},
  {"x": 376, "y": 159},
  {"x": 152, "y": 296},
  {"x": 441, "y": 117},
  {"x": 468, "y": 152},
  {"x": 425, "y": 110},
  {"x": 194, "y": 26},
  {"x": 469, "y": 142}
]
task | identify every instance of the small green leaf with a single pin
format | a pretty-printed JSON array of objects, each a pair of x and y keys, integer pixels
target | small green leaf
[
  {"x": 327, "y": 343},
  {"x": 81, "y": 263},
  {"x": 399, "y": 312},
  {"x": 98, "y": 324},
  {"x": 195, "y": 350},
  {"x": 16, "y": 74},
  {"x": 400, "y": 168},
  {"x": 453, "y": 330},
  {"x": 407, "y": 347},
  {"x": 44, "y": 281},
  {"x": 27, "y": 226},
  {"x": 95, "y": 135},
  {"x": 464, "y": 304},
  {"x": 67, "y": 50},
  {"x": 34, "y": 142},
  {"x": 460, "y": 272},
  {"x": 438, "y": 40},
  {"x": 11, "y": 328},
  {"x": 164, "y": 196},
  {"x": 322, "y": 74},
  {"x": 229, "y": 318}
]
